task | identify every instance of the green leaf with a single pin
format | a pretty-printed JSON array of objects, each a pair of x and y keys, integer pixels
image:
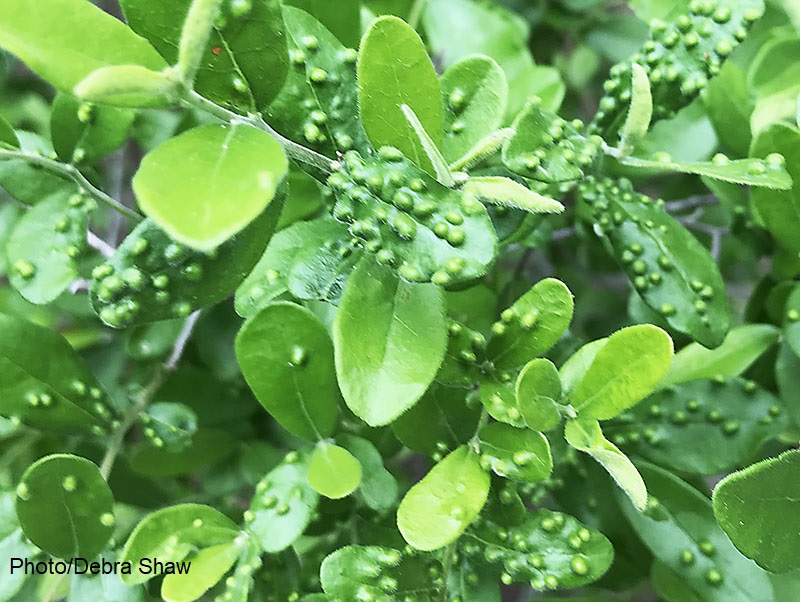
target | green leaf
[
  {"x": 106, "y": 586},
  {"x": 440, "y": 420},
  {"x": 169, "y": 425},
  {"x": 245, "y": 62},
  {"x": 729, "y": 104},
  {"x": 342, "y": 19},
  {"x": 460, "y": 367},
  {"x": 378, "y": 486},
  {"x": 681, "y": 532},
  {"x": 538, "y": 393},
  {"x": 474, "y": 95},
  {"x": 65, "y": 506},
  {"x": 46, "y": 244},
  {"x": 459, "y": 29},
  {"x": 394, "y": 70},
  {"x": 14, "y": 546},
  {"x": 209, "y": 565},
  {"x": 389, "y": 340},
  {"x": 171, "y": 534},
  {"x": 432, "y": 152},
  {"x": 769, "y": 173},
  {"x": 151, "y": 277},
  {"x": 586, "y": 436},
  {"x": 283, "y": 505},
  {"x": 626, "y": 369},
  {"x": 83, "y": 133},
  {"x": 508, "y": 193},
  {"x": 410, "y": 221},
  {"x": 46, "y": 385},
  {"x": 286, "y": 356},
  {"x": 197, "y": 27},
  {"x": 470, "y": 580},
  {"x": 702, "y": 427},
  {"x": 323, "y": 74},
  {"x": 518, "y": 454},
  {"x": 482, "y": 150},
  {"x": 670, "y": 585},
  {"x": 672, "y": 272},
  {"x": 547, "y": 148},
  {"x": 743, "y": 345},
  {"x": 207, "y": 184},
  {"x": 548, "y": 550},
  {"x": 531, "y": 325},
  {"x": 780, "y": 211},
  {"x": 381, "y": 573},
  {"x": 758, "y": 509},
  {"x": 8, "y": 137},
  {"x": 435, "y": 511},
  {"x": 208, "y": 447},
  {"x": 129, "y": 86},
  {"x": 333, "y": 471},
  {"x": 639, "y": 113},
  {"x": 679, "y": 59},
  {"x": 65, "y": 40}
]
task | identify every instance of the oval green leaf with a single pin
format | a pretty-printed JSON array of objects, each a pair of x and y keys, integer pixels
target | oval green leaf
[
  {"x": 394, "y": 70},
  {"x": 435, "y": 511},
  {"x": 65, "y": 506},
  {"x": 207, "y": 184},
  {"x": 333, "y": 471},
  {"x": 286, "y": 356},
  {"x": 208, "y": 566},
  {"x": 518, "y": 454},
  {"x": 538, "y": 393},
  {"x": 389, "y": 339}
]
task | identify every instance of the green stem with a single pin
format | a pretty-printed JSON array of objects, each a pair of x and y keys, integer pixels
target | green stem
[
  {"x": 298, "y": 152},
  {"x": 146, "y": 395},
  {"x": 70, "y": 172}
]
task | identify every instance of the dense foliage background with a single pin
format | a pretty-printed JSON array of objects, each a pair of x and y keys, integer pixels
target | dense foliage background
[{"x": 401, "y": 300}]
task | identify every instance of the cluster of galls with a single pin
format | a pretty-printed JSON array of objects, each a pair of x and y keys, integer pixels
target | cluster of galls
[
  {"x": 549, "y": 149},
  {"x": 679, "y": 58},
  {"x": 465, "y": 355},
  {"x": 613, "y": 205},
  {"x": 318, "y": 104},
  {"x": 520, "y": 551},
  {"x": 145, "y": 275},
  {"x": 411, "y": 222},
  {"x": 694, "y": 403}
]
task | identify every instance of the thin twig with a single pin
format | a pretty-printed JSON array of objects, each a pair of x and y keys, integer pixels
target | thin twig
[
  {"x": 99, "y": 245},
  {"x": 70, "y": 172},
  {"x": 563, "y": 233},
  {"x": 700, "y": 200},
  {"x": 146, "y": 395}
]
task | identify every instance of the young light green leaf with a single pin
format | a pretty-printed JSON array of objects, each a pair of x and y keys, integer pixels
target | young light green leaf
[
  {"x": 682, "y": 533},
  {"x": 475, "y": 96},
  {"x": 286, "y": 356},
  {"x": 394, "y": 70},
  {"x": 361, "y": 571},
  {"x": 508, "y": 193},
  {"x": 435, "y": 511},
  {"x": 333, "y": 471},
  {"x": 624, "y": 371},
  {"x": 46, "y": 385},
  {"x": 538, "y": 393},
  {"x": 46, "y": 244},
  {"x": 483, "y": 149},
  {"x": 518, "y": 454},
  {"x": 208, "y": 566},
  {"x": 207, "y": 184},
  {"x": 432, "y": 152},
  {"x": 758, "y": 509},
  {"x": 702, "y": 427},
  {"x": 555, "y": 551},
  {"x": 65, "y": 40},
  {"x": 171, "y": 534},
  {"x": 152, "y": 278},
  {"x": 244, "y": 64},
  {"x": 743, "y": 345},
  {"x": 586, "y": 436},
  {"x": 378, "y": 486},
  {"x": 65, "y": 506},
  {"x": 531, "y": 325},
  {"x": 283, "y": 505},
  {"x": 639, "y": 113},
  {"x": 196, "y": 30},
  {"x": 762, "y": 173},
  {"x": 389, "y": 340},
  {"x": 129, "y": 86},
  {"x": 672, "y": 272}
]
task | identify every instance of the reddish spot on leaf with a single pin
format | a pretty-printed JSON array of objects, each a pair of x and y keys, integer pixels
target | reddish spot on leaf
[{"x": 216, "y": 50}]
